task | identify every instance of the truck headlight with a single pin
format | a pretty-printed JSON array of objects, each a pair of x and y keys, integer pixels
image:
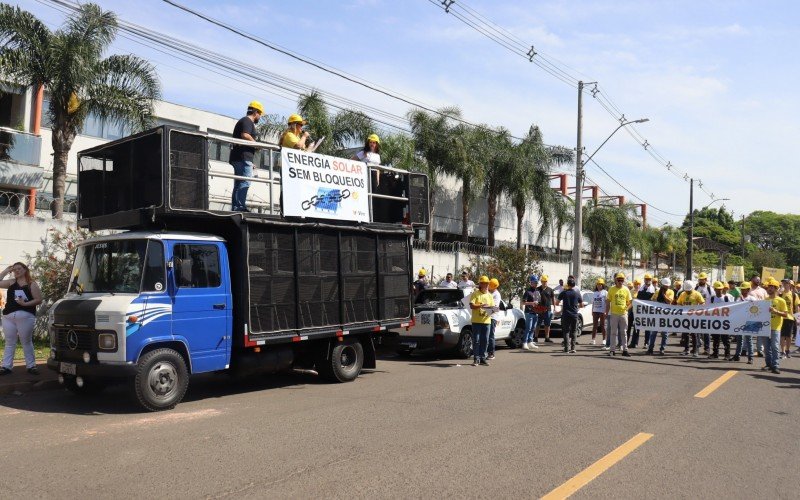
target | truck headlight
[{"x": 107, "y": 341}]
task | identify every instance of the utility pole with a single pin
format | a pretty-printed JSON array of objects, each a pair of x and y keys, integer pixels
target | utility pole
[
  {"x": 743, "y": 236},
  {"x": 578, "y": 232},
  {"x": 690, "y": 244}
]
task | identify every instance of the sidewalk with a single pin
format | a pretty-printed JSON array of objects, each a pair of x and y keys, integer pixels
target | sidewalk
[{"x": 20, "y": 381}]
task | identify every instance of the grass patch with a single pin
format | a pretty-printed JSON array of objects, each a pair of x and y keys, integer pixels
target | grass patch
[{"x": 41, "y": 347}]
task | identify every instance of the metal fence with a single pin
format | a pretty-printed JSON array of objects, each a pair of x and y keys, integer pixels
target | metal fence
[{"x": 40, "y": 205}]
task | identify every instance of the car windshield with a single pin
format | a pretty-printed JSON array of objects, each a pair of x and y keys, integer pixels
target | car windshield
[
  {"x": 112, "y": 266},
  {"x": 447, "y": 297}
]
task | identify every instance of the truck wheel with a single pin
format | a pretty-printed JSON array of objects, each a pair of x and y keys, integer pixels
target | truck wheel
[
  {"x": 515, "y": 339},
  {"x": 345, "y": 362},
  {"x": 161, "y": 380},
  {"x": 464, "y": 346},
  {"x": 90, "y": 386}
]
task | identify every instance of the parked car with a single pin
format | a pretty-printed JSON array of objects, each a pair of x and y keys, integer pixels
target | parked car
[{"x": 442, "y": 322}]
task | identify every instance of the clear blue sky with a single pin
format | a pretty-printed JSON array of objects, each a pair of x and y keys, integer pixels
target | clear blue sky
[{"x": 717, "y": 79}]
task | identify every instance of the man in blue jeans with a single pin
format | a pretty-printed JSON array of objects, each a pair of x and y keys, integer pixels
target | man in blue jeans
[
  {"x": 531, "y": 300},
  {"x": 242, "y": 156},
  {"x": 778, "y": 312},
  {"x": 482, "y": 305}
]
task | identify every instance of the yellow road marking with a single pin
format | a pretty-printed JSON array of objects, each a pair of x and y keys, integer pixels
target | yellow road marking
[
  {"x": 588, "y": 474},
  {"x": 713, "y": 386}
]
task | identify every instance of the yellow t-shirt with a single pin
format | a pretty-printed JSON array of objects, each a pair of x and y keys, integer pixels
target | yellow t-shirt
[
  {"x": 789, "y": 298},
  {"x": 776, "y": 322},
  {"x": 693, "y": 298},
  {"x": 669, "y": 294},
  {"x": 289, "y": 139},
  {"x": 481, "y": 316},
  {"x": 618, "y": 299}
]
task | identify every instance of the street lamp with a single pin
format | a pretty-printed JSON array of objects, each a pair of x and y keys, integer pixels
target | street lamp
[
  {"x": 690, "y": 243},
  {"x": 579, "y": 163}
]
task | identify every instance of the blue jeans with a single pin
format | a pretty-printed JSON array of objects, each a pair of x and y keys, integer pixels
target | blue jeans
[
  {"x": 490, "y": 342},
  {"x": 747, "y": 348},
  {"x": 652, "y": 340},
  {"x": 530, "y": 327},
  {"x": 772, "y": 348},
  {"x": 480, "y": 337},
  {"x": 240, "y": 187}
]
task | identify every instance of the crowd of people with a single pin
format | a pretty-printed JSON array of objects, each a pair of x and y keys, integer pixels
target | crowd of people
[{"x": 612, "y": 315}]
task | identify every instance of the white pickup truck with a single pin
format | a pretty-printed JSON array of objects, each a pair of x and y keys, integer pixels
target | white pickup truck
[{"x": 442, "y": 322}]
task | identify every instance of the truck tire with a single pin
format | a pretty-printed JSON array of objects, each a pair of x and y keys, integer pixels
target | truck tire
[
  {"x": 344, "y": 363},
  {"x": 161, "y": 380},
  {"x": 90, "y": 386},
  {"x": 464, "y": 346}
]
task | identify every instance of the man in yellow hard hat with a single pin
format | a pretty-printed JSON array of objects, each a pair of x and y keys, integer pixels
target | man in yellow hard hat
[
  {"x": 482, "y": 305},
  {"x": 618, "y": 303},
  {"x": 645, "y": 291},
  {"x": 705, "y": 290},
  {"x": 421, "y": 283},
  {"x": 242, "y": 156},
  {"x": 294, "y": 136},
  {"x": 720, "y": 296},
  {"x": 779, "y": 311}
]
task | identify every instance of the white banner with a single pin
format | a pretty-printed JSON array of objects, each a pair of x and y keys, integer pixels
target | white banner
[
  {"x": 726, "y": 318},
  {"x": 324, "y": 187}
]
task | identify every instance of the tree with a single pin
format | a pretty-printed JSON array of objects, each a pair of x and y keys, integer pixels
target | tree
[
  {"x": 715, "y": 224},
  {"x": 499, "y": 158},
  {"x": 611, "y": 230},
  {"x": 343, "y": 130},
  {"x": 69, "y": 63},
  {"x": 511, "y": 267},
  {"x": 470, "y": 147}
]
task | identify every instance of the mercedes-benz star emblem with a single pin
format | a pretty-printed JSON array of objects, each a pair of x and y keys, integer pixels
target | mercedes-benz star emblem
[{"x": 72, "y": 340}]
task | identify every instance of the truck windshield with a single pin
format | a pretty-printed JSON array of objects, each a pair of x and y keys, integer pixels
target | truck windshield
[{"x": 117, "y": 267}]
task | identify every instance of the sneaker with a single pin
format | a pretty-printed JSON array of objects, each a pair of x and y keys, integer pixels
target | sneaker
[
  {"x": 565, "y": 349},
  {"x": 788, "y": 354},
  {"x": 695, "y": 355},
  {"x": 33, "y": 371},
  {"x": 476, "y": 363},
  {"x": 736, "y": 358},
  {"x": 765, "y": 368},
  {"x": 760, "y": 354},
  {"x": 649, "y": 352},
  {"x": 661, "y": 352},
  {"x": 713, "y": 356},
  {"x": 705, "y": 352},
  {"x": 572, "y": 351},
  {"x": 685, "y": 353},
  {"x": 532, "y": 346},
  {"x": 548, "y": 341},
  {"x": 626, "y": 354},
  {"x": 776, "y": 371},
  {"x": 5, "y": 371},
  {"x": 526, "y": 347},
  {"x": 611, "y": 353},
  {"x": 749, "y": 361},
  {"x": 484, "y": 362},
  {"x": 491, "y": 356},
  {"x": 593, "y": 342},
  {"x": 606, "y": 348}
]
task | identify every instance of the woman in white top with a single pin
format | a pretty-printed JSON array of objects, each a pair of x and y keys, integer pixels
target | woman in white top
[
  {"x": 599, "y": 309},
  {"x": 371, "y": 152}
]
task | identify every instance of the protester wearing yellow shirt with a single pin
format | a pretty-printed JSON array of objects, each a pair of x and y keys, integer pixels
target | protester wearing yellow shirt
[
  {"x": 691, "y": 297},
  {"x": 664, "y": 295},
  {"x": 788, "y": 329},
  {"x": 778, "y": 311},
  {"x": 481, "y": 302},
  {"x": 294, "y": 136},
  {"x": 619, "y": 301}
]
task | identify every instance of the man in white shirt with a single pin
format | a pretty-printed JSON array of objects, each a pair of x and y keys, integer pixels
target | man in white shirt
[
  {"x": 757, "y": 292},
  {"x": 465, "y": 281},
  {"x": 448, "y": 282},
  {"x": 559, "y": 288},
  {"x": 705, "y": 290}
]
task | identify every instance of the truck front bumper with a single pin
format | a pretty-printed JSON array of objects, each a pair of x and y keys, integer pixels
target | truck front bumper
[{"x": 99, "y": 370}]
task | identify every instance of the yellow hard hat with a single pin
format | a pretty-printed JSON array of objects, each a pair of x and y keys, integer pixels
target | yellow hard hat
[
  {"x": 257, "y": 106},
  {"x": 678, "y": 282},
  {"x": 745, "y": 285},
  {"x": 637, "y": 282},
  {"x": 422, "y": 272},
  {"x": 718, "y": 285},
  {"x": 483, "y": 279},
  {"x": 493, "y": 283},
  {"x": 296, "y": 119},
  {"x": 619, "y": 275},
  {"x": 772, "y": 282},
  {"x": 702, "y": 276},
  {"x": 543, "y": 278},
  {"x": 374, "y": 137},
  {"x": 601, "y": 281},
  {"x": 648, "y": 276}
]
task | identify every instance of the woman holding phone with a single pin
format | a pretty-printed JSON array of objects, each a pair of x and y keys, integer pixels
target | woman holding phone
[{"x": 19, "y": 316}]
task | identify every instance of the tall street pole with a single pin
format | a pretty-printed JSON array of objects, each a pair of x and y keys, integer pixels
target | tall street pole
[
  {"x": 578, "y": 232},
  {"x": 690, "y": 244}
]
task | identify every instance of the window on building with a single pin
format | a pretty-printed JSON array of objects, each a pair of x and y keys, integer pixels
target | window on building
[{"x": 93, "y": 125}]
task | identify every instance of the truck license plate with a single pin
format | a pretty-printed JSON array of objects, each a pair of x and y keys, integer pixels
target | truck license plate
[
  {"x": 67, "y": 368},
  {"x": 410, "y": 345}
]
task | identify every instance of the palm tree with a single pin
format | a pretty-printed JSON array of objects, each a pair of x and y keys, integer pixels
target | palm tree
[
  {"x": 343, "y": 130},
  {"x": 471, "y": 147},
  {"x": 69, "y": 63},
  {"x": 499, "y": 159},
  {"x": 429, "y": 131},
  {"x": 611, "y": 230}
]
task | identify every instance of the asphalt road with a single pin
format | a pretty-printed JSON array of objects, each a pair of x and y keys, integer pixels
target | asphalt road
[{"x": 423, "y": 427}]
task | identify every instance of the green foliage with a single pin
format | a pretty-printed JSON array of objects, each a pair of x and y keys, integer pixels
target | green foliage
[
  {"x": 771, "y": 231},
  {"x": 69, "y": 63},
  {"x": 52, "y": 264},
  {"x": 511, "y": 267},
  {"x": 767, "y": 258},
  {"x": 611, "y": 230}
]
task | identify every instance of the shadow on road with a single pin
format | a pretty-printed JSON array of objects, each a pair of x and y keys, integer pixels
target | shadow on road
[{"x": 118, "y": 399}]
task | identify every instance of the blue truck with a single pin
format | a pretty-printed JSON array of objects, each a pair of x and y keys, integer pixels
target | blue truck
[{"x": 177, "y": 287}]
